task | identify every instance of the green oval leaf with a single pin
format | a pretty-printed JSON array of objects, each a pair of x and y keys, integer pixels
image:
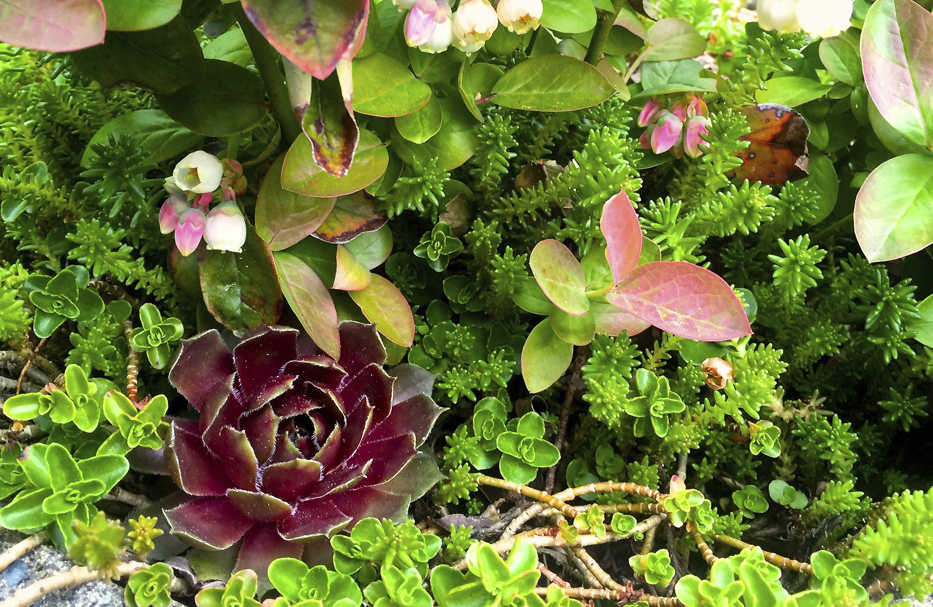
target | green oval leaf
[
  {"x": 576, "y": 330},
  {"x": 157, "y": 134},
  {"x": 674, "y": 39},
  {"x": 385, "y": 87},
  {"x": 568, "y": 16},
  {"x": 52, "y": 25},
  {"x": 420, "y": 126},
  {"x": 893, "y": 215},
  {"x": 840, "y": 55},
  {"x": 545, "y": 357},
  {"x": 897, "y": 63},
  {"x": 310, "y": 300},
  {"x": 227, "y": 99},
  {"x": 135, "y": 15},
  {"x": 551, "y": 83},
  {"x": 560, "y": 276},
  {"x": 791, "y": 91},
  {"x": 384, "y": 305},
  {"x": 301, "y": 173},
  {"x": 285, "y": 218}
]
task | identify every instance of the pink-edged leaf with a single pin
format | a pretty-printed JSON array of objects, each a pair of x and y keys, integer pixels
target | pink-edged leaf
[
  {"x": 620, "y": 227},
  {"x": 312, "y": 35},
  {"x": 612, "y": 321},
  {"x": 351, "y": 216},
  {"x": 893, "y": 209},
  {"x": 285, "y": 218},
  {"x": 385, "y": 306},
  {"x": 560, "y": 276},
  {"x": 682, "y": 299},
  {"x": 310, "y": 300},
  {"x": 351, "y": 275},
  {"x": 52, "y": 25},
  {"x": 897, "y": 62},
  {"x": 330, "y": 125},
  {"x": 545, "y": 357},
  {"x": 211, "y": 523}
]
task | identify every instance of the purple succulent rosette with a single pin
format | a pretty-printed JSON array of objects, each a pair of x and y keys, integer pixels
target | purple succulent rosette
[{"x": 290, "y": 444}]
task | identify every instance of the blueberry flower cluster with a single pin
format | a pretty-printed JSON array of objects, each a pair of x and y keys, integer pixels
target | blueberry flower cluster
[
  {"x": 432, "y": 27},
  {"x": 679, "y": 127}
]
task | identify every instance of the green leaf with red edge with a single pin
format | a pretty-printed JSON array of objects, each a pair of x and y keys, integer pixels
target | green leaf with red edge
[
  {"x": 777, "y": 151},
  {"x": 894, "y": 208},
  {"x": 285, "y": 218},
  {"x": 301, "y": 173},
  {"x": 351, "y": 274},
  {"x": 310, "y": 300},
  {"x": 545, "y": 357},
  {"x": 351, "y": 216},
  {"x": 384, "y": 305},
  {"x": 329, "y": 124},
  {"x": 312, "y": 35},
  {"x": 560, "y": 276},
  {"x": 240, "y": 289},
  {"x": 620, "y": 227},
  {"x": 897, "y": 63},
  {"x": 52, "y": 25},
  {"x": 682, "y": 299}
]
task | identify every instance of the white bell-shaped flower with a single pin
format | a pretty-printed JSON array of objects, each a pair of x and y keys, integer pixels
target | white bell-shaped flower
[{"x": 198, "y": 172}]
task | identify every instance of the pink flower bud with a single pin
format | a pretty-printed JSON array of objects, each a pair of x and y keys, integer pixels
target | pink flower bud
[
  {"x": 203, "y": 201},
  {"x": 680, "y": 110},
  {"x": 696, "y": 107},
  {"x": 644, "y": 141},
  {"x": 648, "y": 112},
  {"x": 189, "y": 231},
  {"x": 520, "y": 16},
  {"x": 225, "y": 229},
  {"x": 693, "y": 136},
  {"x": 474, "y": 23},
  {"x": 443, "y": 30},
  {"x": 198, "y": 172},
  {"x": 420, "y": 24},
  {"x": 171, "y": 210},
  {"x": 667, "y": 132},
  {"x": 677, "y": 484}
]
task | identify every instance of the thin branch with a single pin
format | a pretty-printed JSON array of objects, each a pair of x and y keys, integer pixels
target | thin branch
[
  {"x": 705, "y": 551},
  {"x": 29, "y": 358},
  {"x": 20, "y": 549},
  {"x": 132, "y": 365},
  {"x": 527, "y": 491},
  {"x": 128, "y": 497},
  {"x": 771, "y": 557},
  {"x": 553, "y": 577},
  {"x": 598, "y": 572},
  {"x": 623, "y": 597}
]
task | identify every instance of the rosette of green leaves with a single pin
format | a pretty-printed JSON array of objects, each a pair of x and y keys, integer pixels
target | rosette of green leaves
[
  {"x": 490, "y": 580},
  {"x": 524, "y": 450},
  {"x": 438, "y": 247},
  {"x": 689, "y": 505},
  {"x": 383, "y": 543},
  {"x": 654, "y": 403},
  {"x": 313, "y": 586},
  {"x": 764, "y": 437},
  {"x": 489, "y": 418},
  {"x": 134, "y": 427},
  {"x": 655, "y": 567},
  {"x": 240, "y": 591},
  {"x": 785, "y": 495},
  {"x": 398, "y": 588},
  {"x": 98, "y": 545},
  {"x": 79, "y": 402},
  {"x": 622, "y": 524},
  {"x": 156, "y": 335},
  {"x": 61, "y": 490},
  {"x": 750, "y": 501},
  {"x": 742, "y": 579},
  {"x": 150, "y": 587},
  {"x": 62, "y": 297},
  {"x": 12, "y": 478},
  {"x": 838, "y": 581},
  {"x": 591, "y": 520}
]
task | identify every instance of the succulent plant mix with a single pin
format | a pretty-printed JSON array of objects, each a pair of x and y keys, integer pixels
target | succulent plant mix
[{"x": 438, "y": 297}]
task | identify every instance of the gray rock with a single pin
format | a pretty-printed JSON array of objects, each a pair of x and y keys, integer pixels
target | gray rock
[{"x": 45, "y": 560}]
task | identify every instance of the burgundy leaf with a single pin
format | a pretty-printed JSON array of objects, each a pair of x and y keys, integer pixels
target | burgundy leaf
[
  {"x": 415, "y": 479},
  {"x": 620, "y": 227},
  {"x": 417, "y": 415},
  {"x": 682, "y": 299},
  {"x": 233, "y": 450},
  {"x": 290, "y": 480},
  {"x": 342, "y": 479},
  {"x": 409, "y": 381},
  {"x": 260, "y": 428},
  {"x": 313, "y": 517},
  {"x": 371, "y": 382},
  {"x": 388, "y": 456},
  {"x": 259, "y": 506},
  {"x": 369, "y": 501},
  {"x": 192, "y": 466},
  {"x": 329, "y": 452},
  {"x": 261, "y": 545},
  {"x": 363, "y": 347},
  {"x": 203, "y": 364},
  {"x": 212, "y": 523}
]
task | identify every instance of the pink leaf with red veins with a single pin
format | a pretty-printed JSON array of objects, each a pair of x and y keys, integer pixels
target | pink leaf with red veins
[
  {"x": 622, "y": 231},
  {"x": 682, "y": 299}
]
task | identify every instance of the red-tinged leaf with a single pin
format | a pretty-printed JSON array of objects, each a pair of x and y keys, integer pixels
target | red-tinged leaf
[
  {"x": 560, "y": 276},
  {"x": 897, "y": 62},
  {"x": 682, "y": 299},
  {"x": 310, "y": 300},
  {"x": 612, "y": 321},
  {"x": 53, "y": 25},
  {"x": 351, "y": 216},
  {"x": 302, "y": 174},
  {"x": 545, "y": 357},
  {"x": 385, "y": 306},
  {"x": 211, "y": 523},
  {"x": 285, "y": 218},
  {"x": 777, "y": 151},
  {"x": 622, "y": 231},
  {"x": 331, "y": 127},
  {"x": 351, "y": 275},
  {"x": 892, "y": 210},
  {"x": 312, "y": 35}
]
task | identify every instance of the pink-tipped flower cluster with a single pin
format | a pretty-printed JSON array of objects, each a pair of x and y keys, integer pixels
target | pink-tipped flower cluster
[
  {"x": 679, "y": 127},
  {"x": 431, "y": 27},
  {"x": 187, "y": 212}
]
